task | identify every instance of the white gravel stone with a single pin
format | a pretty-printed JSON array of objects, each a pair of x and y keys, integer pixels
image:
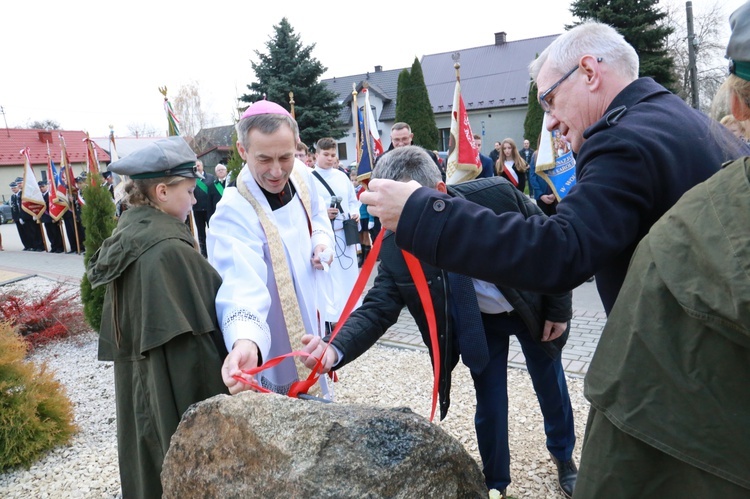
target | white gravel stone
[{"x": 88, "y": 468}]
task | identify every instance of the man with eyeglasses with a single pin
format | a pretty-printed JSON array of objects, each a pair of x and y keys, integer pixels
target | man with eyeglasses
[{"x": 639, "y": 148}]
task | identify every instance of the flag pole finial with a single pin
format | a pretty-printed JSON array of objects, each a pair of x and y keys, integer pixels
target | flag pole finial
[
  {"x": 291, "y": 103},
  {"x": 163, "y": 91},
  {"x": 456, "y": 56}
]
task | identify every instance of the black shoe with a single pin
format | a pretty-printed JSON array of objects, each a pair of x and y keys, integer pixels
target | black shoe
[
  {"x": 70, "y": 252},
  {"x": 567, "y": 472}
]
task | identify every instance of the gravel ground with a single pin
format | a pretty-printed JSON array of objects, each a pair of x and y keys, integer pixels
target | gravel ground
[{"x": 87, "y": 467}]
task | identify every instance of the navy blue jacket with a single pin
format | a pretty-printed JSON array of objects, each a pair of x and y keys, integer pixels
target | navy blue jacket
[
  {"x": 636, "y": 162},
  {"x": 394, "y": 288},
  {"x": 488, "y": 167}
]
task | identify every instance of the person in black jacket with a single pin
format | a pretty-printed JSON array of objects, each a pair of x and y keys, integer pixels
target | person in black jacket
[
  {"x": 203, "y": 207},
  {"x": 216, "y": 188},
  {"x": 540, "y": 322},
  {"x": 638, "y": 149},
  {"x": 30, "y": 226},
  {"x": 50, "y": 226},
  {"x": 15, "y": 211}
]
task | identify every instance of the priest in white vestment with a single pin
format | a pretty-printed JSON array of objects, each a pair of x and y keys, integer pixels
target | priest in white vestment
[
  {"x": 271, "y": 229},
  {"x": 344, "y": 270}
]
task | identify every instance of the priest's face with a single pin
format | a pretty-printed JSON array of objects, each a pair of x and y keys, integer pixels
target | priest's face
[{"x": 270, "y": 157}]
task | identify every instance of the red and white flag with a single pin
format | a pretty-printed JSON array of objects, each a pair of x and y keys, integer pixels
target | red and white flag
[
  {"x": 377, "y": 145},
  {"x": 92, "y": 161},
  {"x": 32, "y": 199},
  {"x": 463, "y": 156},
  {"x": 58, "y": 202}
]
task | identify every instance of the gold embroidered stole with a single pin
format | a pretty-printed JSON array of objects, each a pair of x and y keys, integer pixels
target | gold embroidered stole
[{"x": 284, "y": 283}]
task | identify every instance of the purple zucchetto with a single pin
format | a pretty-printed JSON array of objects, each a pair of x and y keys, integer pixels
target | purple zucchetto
[{"x": 264, "y": 107}]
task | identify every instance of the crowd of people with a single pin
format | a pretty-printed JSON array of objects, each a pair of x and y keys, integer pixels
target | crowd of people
[
  {"x": 41, "y": 232},
  {"x": 657, "y": 214}
]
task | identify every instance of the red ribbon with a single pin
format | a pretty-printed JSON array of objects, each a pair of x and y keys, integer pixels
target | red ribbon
[{"x": 415, "y": 269}]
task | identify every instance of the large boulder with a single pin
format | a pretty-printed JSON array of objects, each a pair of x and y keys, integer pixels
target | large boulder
[{"x": 260, "y": 445}]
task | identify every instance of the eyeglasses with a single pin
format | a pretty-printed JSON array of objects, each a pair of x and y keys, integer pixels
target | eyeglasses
[{"x": 543, "y": 98}]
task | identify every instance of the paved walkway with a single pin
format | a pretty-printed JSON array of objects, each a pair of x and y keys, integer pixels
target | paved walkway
[
  {"x": 586, "y": 327},
  {"x": 588, "y": 314}
]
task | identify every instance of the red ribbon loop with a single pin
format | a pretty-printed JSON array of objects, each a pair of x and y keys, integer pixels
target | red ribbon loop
[{"x": 415, "y": 269}]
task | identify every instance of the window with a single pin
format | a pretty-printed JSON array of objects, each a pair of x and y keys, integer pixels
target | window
[
  {"x": 445, "y": 134},
  {"x": 341, "y": 151}
]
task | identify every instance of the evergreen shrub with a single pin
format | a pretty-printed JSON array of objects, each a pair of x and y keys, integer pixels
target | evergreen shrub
[{"x": 35, "y": 413}]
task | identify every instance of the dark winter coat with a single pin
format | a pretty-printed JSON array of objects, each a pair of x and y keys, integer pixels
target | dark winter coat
[
  {"x": 645, "y": 152},
  {"x": 394, "y": 288},
  {"x": 159, "y": 327}
]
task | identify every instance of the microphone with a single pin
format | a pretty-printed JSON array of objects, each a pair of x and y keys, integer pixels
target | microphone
[{"x": 335, "y": 200}]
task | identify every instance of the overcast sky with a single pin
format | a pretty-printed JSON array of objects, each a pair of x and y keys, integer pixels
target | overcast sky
[{"x": 90, "y": 64}]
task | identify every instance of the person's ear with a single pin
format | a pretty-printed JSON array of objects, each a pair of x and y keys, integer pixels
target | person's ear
[
  {"x": 738, "y": 107},
  {"x": 441, "y": 187},
  {"x": 592, "y": 70},
  {"x": 160, "y": 192},
  {"x": 241, "y": 151}
]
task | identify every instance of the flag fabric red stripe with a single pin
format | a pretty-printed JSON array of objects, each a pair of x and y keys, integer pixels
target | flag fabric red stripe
[
  {"x": 463, "y": 157},
  {"x": 57, "y": 203},
  {"x": 92, "y": 161}
]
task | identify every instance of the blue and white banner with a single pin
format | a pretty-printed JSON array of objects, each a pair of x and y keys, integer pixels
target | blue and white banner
[{"x": 555, "y": 162}]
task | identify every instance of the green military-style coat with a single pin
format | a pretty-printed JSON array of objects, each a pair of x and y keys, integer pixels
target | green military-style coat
[
  {"x": 159, "y": 327},
  {"x": 672, "y": 368}
]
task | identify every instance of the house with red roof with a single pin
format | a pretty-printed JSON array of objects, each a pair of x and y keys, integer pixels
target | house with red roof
[{"x": 13, "y": 140}]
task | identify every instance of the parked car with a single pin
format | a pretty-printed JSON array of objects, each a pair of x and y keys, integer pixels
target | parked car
[{"x": 5, "y": 213}]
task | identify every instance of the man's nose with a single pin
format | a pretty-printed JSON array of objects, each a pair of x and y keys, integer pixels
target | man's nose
[{"x": 552, "y": 122}]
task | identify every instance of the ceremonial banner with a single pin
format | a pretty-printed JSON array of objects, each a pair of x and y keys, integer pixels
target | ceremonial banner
[
  {"x": 368, "y": 141},
  {"x": 173, "y": 123},
  {"x": 92, "y": 161},
  {"x": 364, "y": 161},
  {"x": 377, "y": 145},
  {"x": 120, "y": 181},
  {"x": 67, "y": 169},
  {"x": 58, "y": 198},
  {"x": 463, "y": 156},
  {"x": 68, "y": 179},
  {"x": 555, "y": 162},
  {"x": 32, "y": 199}
]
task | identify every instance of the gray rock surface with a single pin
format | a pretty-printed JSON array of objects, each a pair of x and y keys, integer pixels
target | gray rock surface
[{"x": 254, "y": 445}]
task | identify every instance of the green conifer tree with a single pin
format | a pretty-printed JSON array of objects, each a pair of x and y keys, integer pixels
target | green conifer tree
[
  {"x": 98, "y": 218},
  {"x": 234, "y": 165},
  {"x": 413, "y": 107},
  {"x": 642, "y": 24},
  {"x": 532, "y": 125},
  {"x": 403, "y": 97},
  {"x": 289, "y": 67}
]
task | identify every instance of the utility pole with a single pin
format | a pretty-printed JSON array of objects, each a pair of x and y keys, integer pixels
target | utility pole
[
  {"x": 2, "y": 111},
  {"x": 692, "y": 44}
]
